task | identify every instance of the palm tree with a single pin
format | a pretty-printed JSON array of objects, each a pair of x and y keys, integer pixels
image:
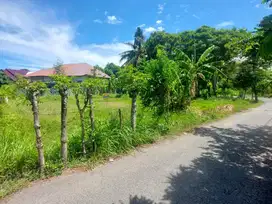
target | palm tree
[
  {"x": 134, "y": 56},
  {"x": 193, "y": 69}
]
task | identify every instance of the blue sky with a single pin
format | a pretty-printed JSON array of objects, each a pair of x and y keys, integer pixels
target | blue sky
[{"x": 34, "y": 34}]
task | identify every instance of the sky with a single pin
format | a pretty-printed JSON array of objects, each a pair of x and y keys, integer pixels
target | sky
[{"x": 34, "y": 34}]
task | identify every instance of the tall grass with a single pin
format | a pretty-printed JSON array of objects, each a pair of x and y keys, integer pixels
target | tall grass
[{"x": 18, "y": 158}]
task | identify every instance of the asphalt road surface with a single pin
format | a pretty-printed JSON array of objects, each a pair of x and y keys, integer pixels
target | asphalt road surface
[{"x": 229, "y": 161}]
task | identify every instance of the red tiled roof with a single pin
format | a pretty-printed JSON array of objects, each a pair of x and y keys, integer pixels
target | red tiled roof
[
  {"x": 81, "y": 69},
  {"x": 12, "y": 73}
]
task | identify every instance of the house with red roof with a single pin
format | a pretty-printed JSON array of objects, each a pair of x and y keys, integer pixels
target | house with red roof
[{"x": 79, "y": 72}]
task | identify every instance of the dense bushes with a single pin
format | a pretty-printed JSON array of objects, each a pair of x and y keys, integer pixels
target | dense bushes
[{"x": 164, "y": 90}]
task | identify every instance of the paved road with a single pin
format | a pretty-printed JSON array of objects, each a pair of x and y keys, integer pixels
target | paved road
[{"x": 229, "y": 161}]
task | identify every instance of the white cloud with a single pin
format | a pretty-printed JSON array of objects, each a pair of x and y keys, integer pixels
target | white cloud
[
  {"x": 36, "y": 39},
  {"x": 152, "y": 29},
  {"x": 161, "y": 8},
  {"x": 149, "y": 30},
  {"x": 160, "y": 28},
  {"x": 98, "y": 21},
  {"x": 257, "y": 5},
  {"x": 158, "y": 21},
  {"x": 113, "y": 20},
  {"x": 195, "y": 16},
  {"x": 141, "y": 26},
  {"x": 225, "y": 24}
]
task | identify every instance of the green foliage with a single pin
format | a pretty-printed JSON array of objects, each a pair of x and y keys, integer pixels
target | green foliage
[
  {"x": 8, "y": 90},
  {"x": 266, "y": 40},
  {"x": 164, "y": 90},
  {"x": 111, "y": 69},
  {"x": 192, "y": 71},
  {"x": 131, "y": 80},
  {"x": 29, "y": 88},
  {"x": 264, "y": 85},
  {"x": 95, "y": 84},
  {"x": 244, "y": 76},
  {"x": 197, "y": 41},
  {"x": 62, "y": 82},
  {"x": 3, "y": 78}
]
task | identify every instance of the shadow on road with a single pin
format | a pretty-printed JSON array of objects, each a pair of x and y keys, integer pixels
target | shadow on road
[
  {"x": 235, "y": 168},
  {"x": 139, "y": 200}
]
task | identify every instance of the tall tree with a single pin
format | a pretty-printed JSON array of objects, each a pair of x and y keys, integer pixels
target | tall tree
[
  {"x": 132, "y": 81},
  {"x": 62, "y": 84},
  {"x": 92, "y": 85},
  {"x": 32, "y": 92},
  {"x": 137, "y": 53},
  {"x": 79, "y": 90},
  {"x": 244, "y": 77}
]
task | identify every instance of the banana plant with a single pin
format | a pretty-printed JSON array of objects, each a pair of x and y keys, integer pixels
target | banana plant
[{"x": 193, "y": 69}]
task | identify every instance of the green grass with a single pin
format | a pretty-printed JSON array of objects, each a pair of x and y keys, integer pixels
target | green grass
[{"x": 18, "y": 158}]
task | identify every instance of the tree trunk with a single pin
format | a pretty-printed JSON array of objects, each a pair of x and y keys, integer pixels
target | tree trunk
[
  {"x": 120, "y": 118},
  {"x": 255, "y": 82},
  {"x": 214, "y": 84},
  {"x": 64, "y": 102},
  {"x": 81, "y": 116},
  {"x": 244, "y": 94},
  {"x": 255, "y": 93},
  {"x": 91, "y": 114},
  {"x": 193, "y": 89},
  {"x": 39, "y": 144},
  {"x": 134, "y": 111},
  {"x": 197, "y": 89}
]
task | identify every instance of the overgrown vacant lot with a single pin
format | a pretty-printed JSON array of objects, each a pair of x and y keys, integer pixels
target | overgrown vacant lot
[{"x": 18, "y": 158}]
